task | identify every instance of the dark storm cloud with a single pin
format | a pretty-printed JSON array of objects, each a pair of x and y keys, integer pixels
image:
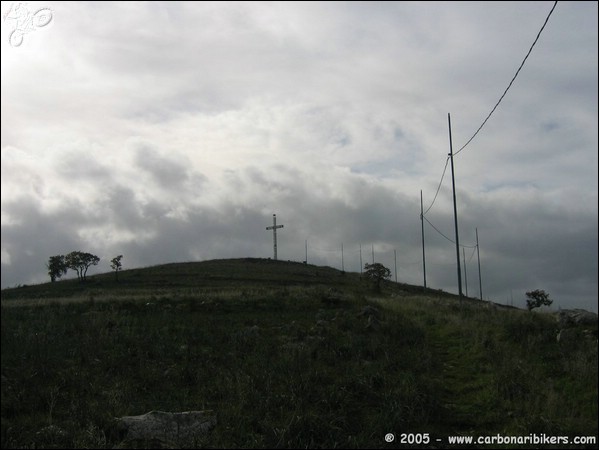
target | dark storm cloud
[
  {"x": 532, "y": 242},
  {"x": 35, "y": 235},
  {"x": 166, "y": 172},
  {"x": 122, "y": 209}
]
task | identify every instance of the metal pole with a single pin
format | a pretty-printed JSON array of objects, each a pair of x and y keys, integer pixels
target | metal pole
[
  {"x": 395, "y": 258},
  {"x": 360, "y": 259},
  {"x": 480, "y": 283},
  {"x": 423, "y": 255},
  {"x": 465, "y": 273},
  {"x": 455, "y": 210},
  {"x": 342, "y": 264},
  {"x": 372, "y": 253},
  {"x": 306, "y": 251}
]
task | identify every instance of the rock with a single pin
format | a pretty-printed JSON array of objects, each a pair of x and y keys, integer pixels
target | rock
[
  {"x": 573, "y": 323},
  {"x": 571, "y": 317},
  {"x": 590, "y": 334},
  {"x": 161, "y": 429}
]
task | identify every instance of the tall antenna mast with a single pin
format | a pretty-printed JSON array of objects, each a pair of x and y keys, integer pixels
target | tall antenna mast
[
  {"x": 480, "y": 283},
  {"x": 465, "y": 271},
  {"x": 360, "y": 259},
  {"x": 422, "y": 226},
  {"x": 455, "y": 210}
]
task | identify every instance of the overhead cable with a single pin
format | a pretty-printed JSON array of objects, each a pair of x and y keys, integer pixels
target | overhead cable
[
  {"x": 449, "y": 239},
  {"x": 517, "y": 72},
  {"x": 438, "y": 187}
]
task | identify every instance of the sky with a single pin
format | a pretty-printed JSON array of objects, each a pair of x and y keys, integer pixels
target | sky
[{"x": 173, "y": 131}]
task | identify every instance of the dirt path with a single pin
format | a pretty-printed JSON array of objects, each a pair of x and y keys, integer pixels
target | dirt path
[{"x": 467, "y": 391}]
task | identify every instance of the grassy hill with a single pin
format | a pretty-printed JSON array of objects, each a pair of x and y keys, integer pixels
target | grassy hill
[{"x": 286, "y": 355}]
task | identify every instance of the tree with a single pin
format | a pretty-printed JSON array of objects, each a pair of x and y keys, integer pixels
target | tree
[
  {"x": 377, "y": 272},
  {"x": 116, "y": 265},
  {"x": 80, "y": 262},
  {"x": 537, "y": 298},
  {"x": 56, "y": 267},
  {"x": 73, "y": 261}
]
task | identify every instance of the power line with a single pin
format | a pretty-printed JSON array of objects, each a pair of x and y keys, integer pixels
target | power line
[
  {"x": 438, "y": 187},
  {"x": 473, "y": 252},
  {"x": 510, "y": 85},
  {"x": 449, "y": 239},
  {"x": 437, "y": 230},
  {"x": 334, "y": 250}
]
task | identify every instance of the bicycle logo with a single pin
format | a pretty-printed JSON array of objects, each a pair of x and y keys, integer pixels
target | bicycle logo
[{"x": 25, "y": 21}]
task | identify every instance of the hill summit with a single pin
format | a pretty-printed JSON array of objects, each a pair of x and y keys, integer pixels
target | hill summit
[{"x": 276, "y": 354}]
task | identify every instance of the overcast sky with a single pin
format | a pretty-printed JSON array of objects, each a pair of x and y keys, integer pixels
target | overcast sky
[{"x": 171, "y": 132}]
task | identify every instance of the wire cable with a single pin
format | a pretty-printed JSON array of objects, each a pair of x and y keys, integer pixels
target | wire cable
[
  {"x": 449, "y": 239},
  {"x": 472, "y": 255},
  {"x": 438, "y": 187},
  {"x": 511, "y": 82}
]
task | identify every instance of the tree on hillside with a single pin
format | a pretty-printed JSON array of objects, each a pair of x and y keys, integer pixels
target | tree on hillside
[
  {"x": 57, "y": 267},
  {"x": 377, "y": 273},
  {"x": 116, "y": 265},
  {"x": 537, "y": 298},
  {"x": 80, "y": 262}
]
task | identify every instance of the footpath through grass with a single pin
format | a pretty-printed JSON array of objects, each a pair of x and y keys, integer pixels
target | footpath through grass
[{"x": 503, "y": 372}]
